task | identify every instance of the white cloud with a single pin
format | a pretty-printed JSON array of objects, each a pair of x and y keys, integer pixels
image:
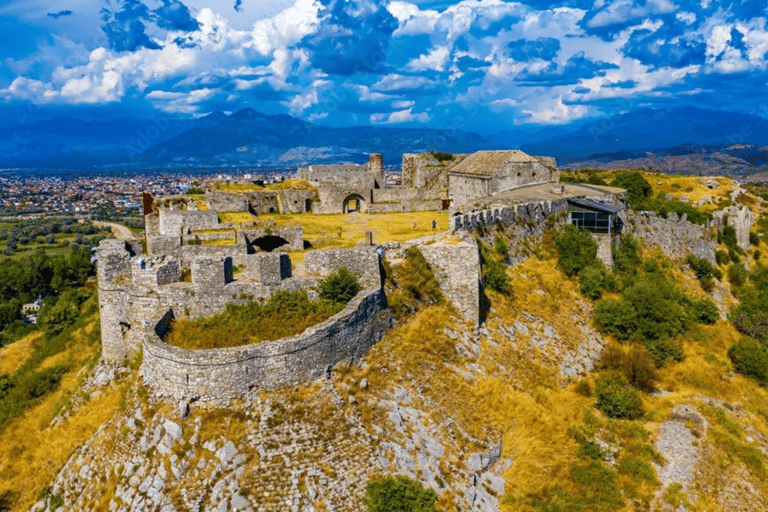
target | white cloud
[
  {"x": 401, "y": 116},
  {"x": 554, "y": 111},
  {"x": 178, "y": 102},
  {"x": 686, "y": 17},
  {"x": 435, "y": 60},
  {"x": 285, "y": 28},
  {"x": 625, "y": 10}
]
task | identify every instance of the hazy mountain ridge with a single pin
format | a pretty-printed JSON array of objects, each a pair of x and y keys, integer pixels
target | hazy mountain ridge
[
  {"x": 740, "y": 160},
  {"x": 666, "y": 139}
]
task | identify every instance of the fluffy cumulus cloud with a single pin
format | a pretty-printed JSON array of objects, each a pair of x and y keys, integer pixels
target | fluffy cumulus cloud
[
  {"x": 444, "y": 62},
  {"x": 352, "y": 37}
]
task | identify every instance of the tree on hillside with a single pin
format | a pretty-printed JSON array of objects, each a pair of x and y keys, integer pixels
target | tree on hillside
[
  {"x": 576, "y": 249},
  {"x": 638, "y": 188}
]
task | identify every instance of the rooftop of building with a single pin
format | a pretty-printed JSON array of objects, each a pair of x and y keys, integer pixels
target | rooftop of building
[{"x": 485, "y": 163}]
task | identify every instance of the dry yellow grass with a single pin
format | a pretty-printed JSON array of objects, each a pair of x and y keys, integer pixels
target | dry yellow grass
[
  {"x": 252, "y": 187},
  {"x": 31, "y": 452},
  {"x": 236, "y": 217},
  {"x": 348, "y": 230},
  {"x": 16, "y": 354}
]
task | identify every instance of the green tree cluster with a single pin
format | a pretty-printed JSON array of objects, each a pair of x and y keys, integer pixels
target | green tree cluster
[{"x": 398, "y": 494}]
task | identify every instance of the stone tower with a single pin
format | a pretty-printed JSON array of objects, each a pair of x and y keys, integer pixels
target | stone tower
[{"x": 114, "y": 274}]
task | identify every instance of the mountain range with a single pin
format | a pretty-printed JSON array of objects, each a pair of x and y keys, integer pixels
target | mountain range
[{"x": 689, "y": 140}]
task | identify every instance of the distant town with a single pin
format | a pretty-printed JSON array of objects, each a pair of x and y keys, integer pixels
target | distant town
[{"x": 83, "y": 194}]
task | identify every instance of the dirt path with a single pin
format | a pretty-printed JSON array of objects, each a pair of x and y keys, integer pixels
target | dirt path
[{"x": 118, "y": 230}]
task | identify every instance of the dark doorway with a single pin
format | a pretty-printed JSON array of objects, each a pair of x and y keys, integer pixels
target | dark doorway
[{"x": 269, "y": 243}]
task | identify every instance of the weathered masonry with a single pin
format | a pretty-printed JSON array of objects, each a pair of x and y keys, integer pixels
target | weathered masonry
[{"x": 139, "y": 296}]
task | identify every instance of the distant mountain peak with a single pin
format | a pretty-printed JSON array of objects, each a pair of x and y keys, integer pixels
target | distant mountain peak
[{"x": 247, "y": 113}]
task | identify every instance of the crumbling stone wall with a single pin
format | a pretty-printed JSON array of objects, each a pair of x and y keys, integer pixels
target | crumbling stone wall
[
  {"x": 267, "y": 268},
  {"x": 363, "y": 262},
  {"x": 740, "y": 220},
  {"x": 219, "y": 374},
  {"x": 526, "y": 213},
  {"x": 457, "y": 268},
  {"x": 177, "y": 222},
  {"x": 423, "y": 171},
  {"x": 155, "y": 271},
  {"x": 675, "y": 236},
  {"x": 226, "y": 201}
]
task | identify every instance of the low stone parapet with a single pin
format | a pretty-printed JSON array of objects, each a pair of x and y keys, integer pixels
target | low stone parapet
[{"x": 221, "y": 374}]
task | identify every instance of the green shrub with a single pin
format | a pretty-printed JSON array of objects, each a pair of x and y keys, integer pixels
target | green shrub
[
  {"x": 638, "y": 188},
  {"x": 635, "y": 363},
  {"x": 589, "y": 450},
  {"x": 665, "y": 350},
  {"x": 754, "y": 239},
  {"x": 750, "y": 358},
  {"x": 756, "y": 255},
  {"x": 737, "y": 276},
  {"x": 592, "y": 280},
  {"x": 398, "y": 494},
  {"x": 751, "y": 315},
  {"x": 339, "y": 287},
  {"x": 616, "y": 317},
  {"x": 441, "y": 157},
  {"x": 702, "y": 268},
  {"x": 626, "y": 255},
  {"x": 576, "y": 249},
  {"x": 703, "y": 311},
  {"x": 501, "y": 247},
  {"x": 496, "y": 278},
  {"x": 616, "y": 398},
  {"x": 722, "y": 257},
  {"x": 729, "y": 239}
]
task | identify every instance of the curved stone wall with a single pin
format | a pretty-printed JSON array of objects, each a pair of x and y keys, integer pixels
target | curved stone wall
[{"x": 220, "y": 374}]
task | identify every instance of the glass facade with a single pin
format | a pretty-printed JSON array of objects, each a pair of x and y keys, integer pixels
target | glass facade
[{"x": 595, "y": 222}]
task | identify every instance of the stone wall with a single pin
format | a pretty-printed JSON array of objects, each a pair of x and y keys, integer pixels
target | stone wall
[
  {"x": 676, "y": 237},
  {"x": 152, "y": 224},
  {"x": 363, "y": 262},
  {"x": 423, "y": 171},
  {"x": 533, "y": 213},
  {"x": 267, "y": 268},
  {"x": 209, "y": 275},
  {"x": 163, "y": 244},
  {"x": 457, "y": 268},
  {"x": 177, "y": 222},
  {"x": 155, "y": 271},
  {"x": 296, "y": 201},
  {"x": 220, "y": 374},
  {"x": 406, "y": 206},
  {"x": 463, "y": 189},
  {"x": 740, "y": 220},
  {"x": 226, "y": 201},
  {"x": 520, "y": 174}
]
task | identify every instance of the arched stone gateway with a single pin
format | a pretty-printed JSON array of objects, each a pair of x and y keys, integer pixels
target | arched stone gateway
[{"x": 354, "y": 203}]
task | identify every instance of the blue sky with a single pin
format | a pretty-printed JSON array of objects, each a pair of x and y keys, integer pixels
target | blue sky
[{"x": 483, "y": 64}]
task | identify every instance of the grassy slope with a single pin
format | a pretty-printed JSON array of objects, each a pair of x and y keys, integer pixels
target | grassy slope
[
  {"x": 32, "y": 447},
  {"x": 516, "y": 395}
]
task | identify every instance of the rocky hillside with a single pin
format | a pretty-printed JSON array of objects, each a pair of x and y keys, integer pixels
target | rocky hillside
[{"x": 500, "y": 417}]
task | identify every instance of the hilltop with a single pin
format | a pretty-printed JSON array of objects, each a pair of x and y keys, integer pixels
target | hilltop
[{"x": 497, "y": 416}]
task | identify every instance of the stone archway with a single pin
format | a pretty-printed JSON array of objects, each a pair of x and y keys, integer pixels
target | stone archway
[{"x": 353, "y": 203}]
